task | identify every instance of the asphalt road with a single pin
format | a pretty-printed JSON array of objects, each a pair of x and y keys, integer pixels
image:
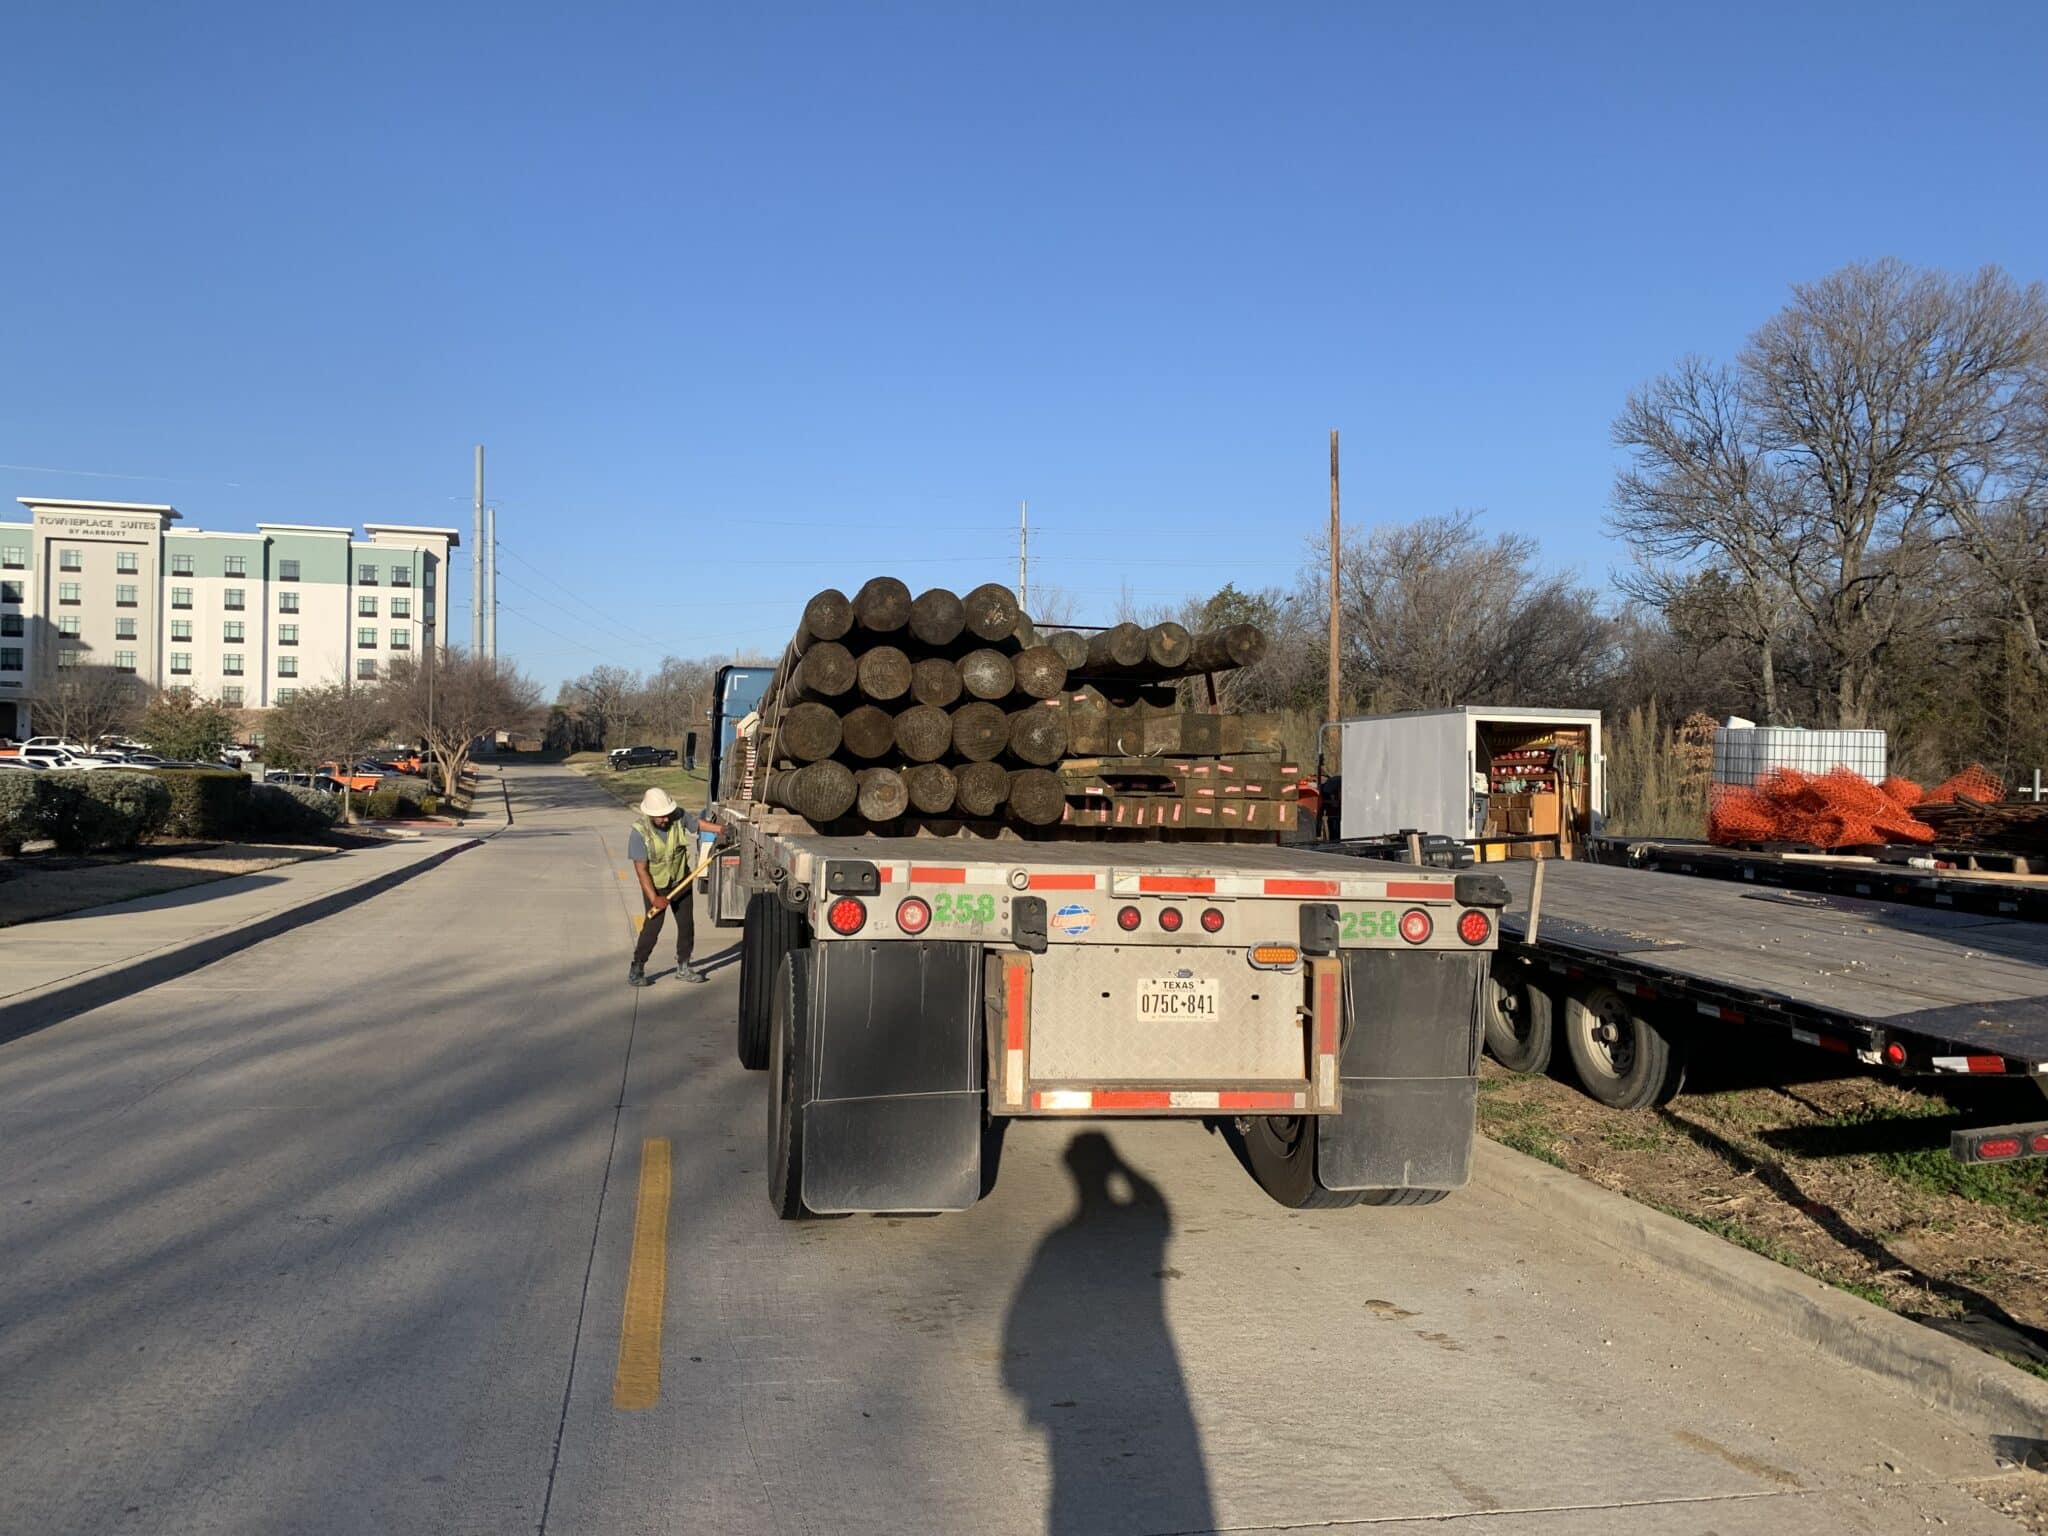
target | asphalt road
[{"x": 338, "y": 1235}]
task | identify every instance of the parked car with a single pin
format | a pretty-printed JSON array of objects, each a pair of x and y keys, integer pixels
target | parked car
[
  {"x": 360, "y": 782},
  {"x": 20, "y": 765},
  {"x": 641, "y": 757}
]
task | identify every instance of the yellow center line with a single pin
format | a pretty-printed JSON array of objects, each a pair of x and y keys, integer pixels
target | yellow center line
[{"x": 637, "y": 1383}]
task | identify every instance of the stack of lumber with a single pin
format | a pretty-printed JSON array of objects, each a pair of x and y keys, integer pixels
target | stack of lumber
[
  {"x": 2012, "y": 826},
  {"x": 892, "y": 711}
]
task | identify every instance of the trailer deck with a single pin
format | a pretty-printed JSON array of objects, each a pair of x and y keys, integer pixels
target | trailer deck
[{"x": 1954, "y": 989}]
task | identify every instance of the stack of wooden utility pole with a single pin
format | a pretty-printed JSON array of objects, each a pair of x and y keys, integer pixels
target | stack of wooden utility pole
[{"x": 897, "y": 713}]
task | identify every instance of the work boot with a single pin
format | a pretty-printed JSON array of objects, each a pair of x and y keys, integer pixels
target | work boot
[{"x": 636, "y": 975}]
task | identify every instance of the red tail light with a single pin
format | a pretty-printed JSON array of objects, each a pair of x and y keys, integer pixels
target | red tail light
[
  {"x": 1895, "y": 1054},
  {"x": 1212, "y": 919},
  {"x": 913, "y": 915},
  {"x": 846, "y": 916},
  {"x": 1416, "y": 926},
  {"x": 1128, "y": 918},
  {"x": 1169, "y": 919},
  {"x": 1474, "y": 927},
  {"x": 1998, "y": 1147},
  {"x": 2040, "y": 1142}
]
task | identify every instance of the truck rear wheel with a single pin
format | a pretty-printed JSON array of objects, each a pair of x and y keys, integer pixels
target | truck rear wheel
[
  {"x": 771, "y": 932},
  {"x": 1518, "y": 1019},
  {"x": 787, "y": 1077},
  {"x": 1279, "y": 1151},
  {"x": 1624, "y": 1058}
]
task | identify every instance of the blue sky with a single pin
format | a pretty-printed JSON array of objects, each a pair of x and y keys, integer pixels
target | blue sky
[{"x": 749, "y": 300}]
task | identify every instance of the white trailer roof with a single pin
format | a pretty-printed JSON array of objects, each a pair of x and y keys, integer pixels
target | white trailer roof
[{"x": 1491, "y": 712}]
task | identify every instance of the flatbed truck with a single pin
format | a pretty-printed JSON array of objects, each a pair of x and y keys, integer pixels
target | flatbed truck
[{"x": 909, "y": 997}]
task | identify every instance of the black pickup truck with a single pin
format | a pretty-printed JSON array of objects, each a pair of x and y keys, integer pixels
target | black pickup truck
[{"x": 641, "y": 757}]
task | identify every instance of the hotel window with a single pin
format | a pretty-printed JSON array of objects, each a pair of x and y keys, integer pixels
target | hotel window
[
  {"x": 67, "y": 591},
  {"x": 181, "y": 629},
  {"x": 10, "y": 591},
  {"x": 181, "y": 663},
  {"x": 287, "y": 602},
  {"x": 231, "y": 695},
  {"x": 366, "y": 575},
  {"x": 401, "y": 607},
  {"x": 125, "y": 562},
  {"x": 11, "y": 624},
  {"x": 401, "y": 575},
  {"x": 401, "y": 639},
  {"x": 67, "y": 625},
  {"x": 366, "y": 668},
  {"x": 236, "y": 565},
  {"x": 287, "y": 666},
  {"x": 287, "y": 634},
  {"x": 366, "y": 637},
  {"x": 124, "y": 629},
  {"x": 124, "y": 597},
  {"x": 181, "y": 565},
  {"x": 366, "y": 607},
  {"x": 231, "y": 665},
  {"x": 14, "y": 557},
  {"x": 10, "y": 658},
  {"x": 124, "y": 661},
  {"x": 286, "y": 695},
  {"x": 287, "y": 570},
  {"x": 181, "y": 597},
  {"x": 70, "y": 559},
  {"x": 231, "y": 598},
  {"x": 234, "y": 629}
]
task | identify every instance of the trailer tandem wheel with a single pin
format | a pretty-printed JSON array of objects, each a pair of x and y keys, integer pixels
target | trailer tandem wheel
[
  {"x": 788, "y": 1071},
  {"x": 1519, "y": 1010},
  {"x": 772, "y": 930},
  {"x": 1626, "y": 1059}
]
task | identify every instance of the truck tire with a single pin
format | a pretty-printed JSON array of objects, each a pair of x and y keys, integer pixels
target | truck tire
[
  {"x": 788, "y": 1069},
  {"x": 1518, "y": 1019},
  {"x": 1279, "y": 1152},
  {"x": 1624, "y": 1058},
  {"x": 771, "y": 932},
  {"x": 1401, "y": 1196}
]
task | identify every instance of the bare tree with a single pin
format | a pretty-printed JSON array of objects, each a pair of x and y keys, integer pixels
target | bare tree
[
  {"x": 332, "y": 725},
  {"x": 1883, "y": 411},
  {"x": 610, "y": 696},
  {"x": 89, "y": 704},
  {"x": 676, "y": 697},
  {"x": 468, "y": 697},
  {"x": 1434, "y": 614}
]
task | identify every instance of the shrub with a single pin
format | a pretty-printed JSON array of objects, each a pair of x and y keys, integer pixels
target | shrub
[
  {"x": 205, "y": 802},
  {"x": 413, "y": 791},
  {"x": 82, "y": 812},
  {"x": 430, "y": 805},
  {"x": 282, "y": 811},
  {"x": 382, "y": 805},
  {"x": 21, "y": 819}
]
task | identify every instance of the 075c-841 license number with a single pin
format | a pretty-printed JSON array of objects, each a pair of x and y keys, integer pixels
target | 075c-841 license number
[{"x": 1373, "y": 923}]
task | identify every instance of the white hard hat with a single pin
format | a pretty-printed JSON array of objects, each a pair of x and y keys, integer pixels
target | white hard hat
[{"x": 656, "y": 802}]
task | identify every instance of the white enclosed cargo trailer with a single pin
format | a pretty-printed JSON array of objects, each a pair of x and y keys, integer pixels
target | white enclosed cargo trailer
[{"x": 1429, "y": 770}]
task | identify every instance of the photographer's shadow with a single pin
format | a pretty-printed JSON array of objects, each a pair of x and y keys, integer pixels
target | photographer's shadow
[{"x": 1088, "y": 1351}]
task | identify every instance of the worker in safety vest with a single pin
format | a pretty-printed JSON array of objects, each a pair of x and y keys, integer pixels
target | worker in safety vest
[{"x": 662, "y": 845}]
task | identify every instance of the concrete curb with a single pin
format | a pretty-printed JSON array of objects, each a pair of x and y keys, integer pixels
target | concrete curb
[
  {"x": 1978, "y": 1389},
  {"x": 67, "y": 999}
]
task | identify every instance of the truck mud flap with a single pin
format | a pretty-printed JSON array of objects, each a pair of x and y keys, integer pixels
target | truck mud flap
[
  {"x": 1410, "y": 1069},
  {"x": 896, "y": 1120}
]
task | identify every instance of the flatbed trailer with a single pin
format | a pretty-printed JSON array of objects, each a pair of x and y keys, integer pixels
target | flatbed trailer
[
  {"x": 1629, "y": 965},
  {"x": 910, "y": 996},
  {"x": 1964, "y": 880}
]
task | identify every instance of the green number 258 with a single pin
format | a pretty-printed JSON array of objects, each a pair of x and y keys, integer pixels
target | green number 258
[
  {"x": 1369, "y": 925},
  {"x": 964, "y": 909}
]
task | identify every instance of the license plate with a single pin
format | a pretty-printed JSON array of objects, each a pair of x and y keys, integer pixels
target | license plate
[{"x": 1177, "y": 997}]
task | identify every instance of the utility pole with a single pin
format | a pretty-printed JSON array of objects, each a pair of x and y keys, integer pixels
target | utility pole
[
  {"x": 1336, "y": 530},
  {"x": 1023, "y": 554},
  {"x": 476, "y": 564},
  {"x": 491, "y": 583}
]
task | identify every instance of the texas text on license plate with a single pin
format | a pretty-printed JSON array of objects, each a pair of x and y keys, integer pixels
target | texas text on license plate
[{"x": 1177, "y": 997}]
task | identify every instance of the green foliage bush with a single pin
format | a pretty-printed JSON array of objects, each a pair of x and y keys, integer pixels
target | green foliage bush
[
  {"x": 382, "y": 805},
  {"x": 89, "y": 812},
  {"x": 285, "y": 812},
  {"x": 20, "y": 817},
  {"x": 205, "y": 802}
]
